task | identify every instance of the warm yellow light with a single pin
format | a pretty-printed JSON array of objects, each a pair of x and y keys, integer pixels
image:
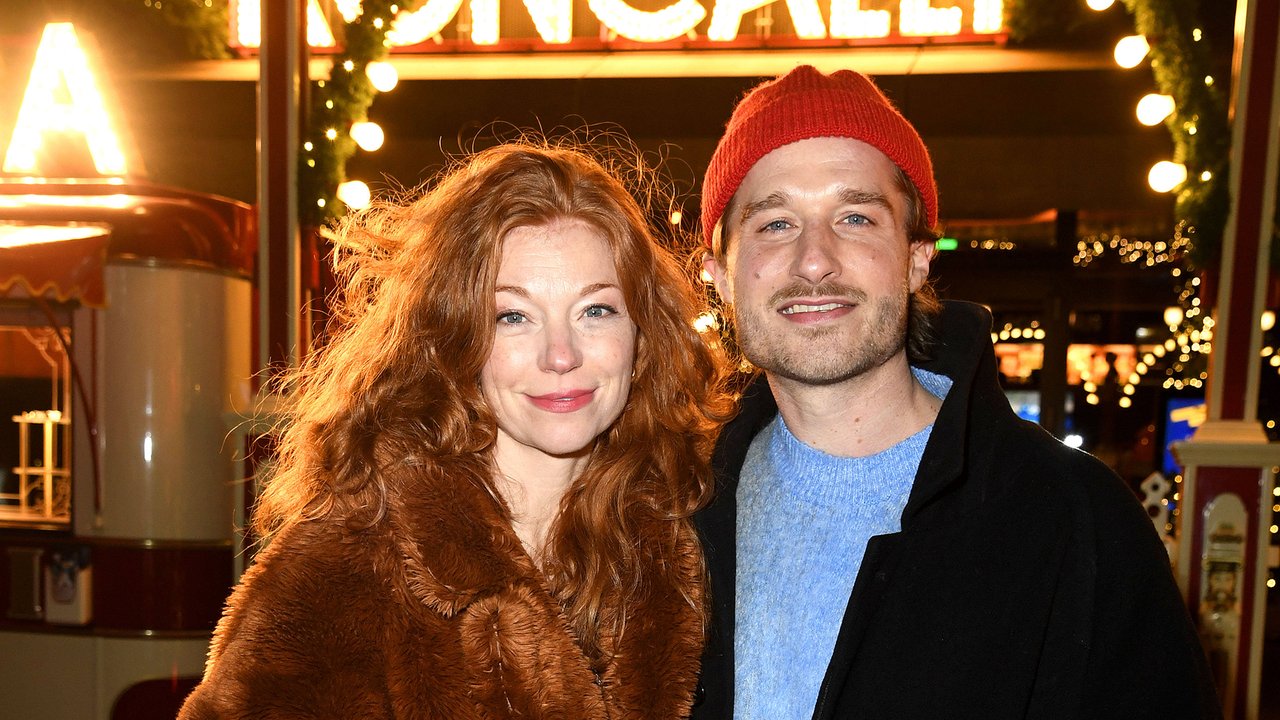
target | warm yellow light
[
  {"x": 411, "y": 28},
  {"x": 1166, "y": 175},
  {"x": 1131, "y": 50},
  {"x": 1173, "y": 317},
  {"x": 668, "y": 23},
  {"x": 383, "y": 75},
  {"x": 1268, "y": 320},
  {"x": 553, "y": 19},
  {"x": 355, "y": 194},
  {"x": 988, "y": 16},
  {"x": 675, "y": 217},
  {"x": 919, "y": 17},
  {"x": 726, "y": 17},
  {"x": 1126, "y": 401},
  {"x": 318, "y": 33},
  {"x": 705, "y": 322},
  {"x": 1091, "y": 399},
  {"x": 368, "y": 135},
  {"x": 1099, "y": 5},
  {"x": 348, "y": 9},
  {"x": 1154, "y": 108},
  {"x": 849, "y": 20},
  {"x": 484, "y": 22},
  {"x": 63, "y": 96}
]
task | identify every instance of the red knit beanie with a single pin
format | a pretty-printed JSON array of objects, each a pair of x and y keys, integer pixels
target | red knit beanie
[{"x": 805, "y": 104}]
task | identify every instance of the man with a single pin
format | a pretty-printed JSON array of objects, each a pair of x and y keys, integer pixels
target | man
[{"x": 889, "y": 540}]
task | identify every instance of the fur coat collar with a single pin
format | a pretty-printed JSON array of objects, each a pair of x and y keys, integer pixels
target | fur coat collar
[{"x": 438, "y": 612}]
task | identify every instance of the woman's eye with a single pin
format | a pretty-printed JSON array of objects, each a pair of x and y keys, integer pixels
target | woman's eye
[
  {"x": 597, "y": 311},
  {"x": 510, "y": 317}
]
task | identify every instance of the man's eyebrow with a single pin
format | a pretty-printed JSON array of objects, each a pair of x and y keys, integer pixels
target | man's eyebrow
[
  {"x": 853, "y": 196},
  {"x": 772, "y": 200}
]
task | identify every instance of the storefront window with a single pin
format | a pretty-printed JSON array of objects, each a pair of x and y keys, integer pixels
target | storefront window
[{"x": 35, "y": 420}]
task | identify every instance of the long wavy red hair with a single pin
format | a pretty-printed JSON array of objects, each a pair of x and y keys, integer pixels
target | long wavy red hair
[{"x": 413, "y": 328}]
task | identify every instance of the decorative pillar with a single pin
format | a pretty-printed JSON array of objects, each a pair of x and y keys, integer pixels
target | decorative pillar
[
  {"x": 281, "y": 88},
  {"x": 1230, "y": 466}
]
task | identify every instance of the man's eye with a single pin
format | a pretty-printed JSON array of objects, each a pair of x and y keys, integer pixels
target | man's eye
[
  {"x": 856, "y": 219},
  {"x": 776, "y": 226},
  {"x": 598, "y": 311},
  {"x": 510, "y": 317}
]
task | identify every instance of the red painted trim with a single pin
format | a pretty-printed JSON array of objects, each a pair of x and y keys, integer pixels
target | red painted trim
[
  {"x": 1243, "y": 482},
  {"x": 276, "y": 91},
  {"x": 1255, "y": 127}
]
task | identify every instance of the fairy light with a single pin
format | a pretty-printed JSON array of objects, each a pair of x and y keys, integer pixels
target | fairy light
[
  {"x": 1153, "y": 108},
  {"x": 368, "y": 135},
  {"x": 1165, "y": 176},
  {"x": 988, "y": 16},
  {"x": 1099, "y": 5},
  {"x": 354, "y": 194},
  {"x": 1131, "y": 51},
  {"x": 382, "y": 75}
]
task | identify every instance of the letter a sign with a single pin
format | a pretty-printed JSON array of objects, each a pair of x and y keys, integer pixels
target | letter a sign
[{"x": 63, "y": 111}]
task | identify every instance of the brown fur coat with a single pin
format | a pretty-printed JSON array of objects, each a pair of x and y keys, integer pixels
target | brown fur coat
[{"x": 437, "y": 612}]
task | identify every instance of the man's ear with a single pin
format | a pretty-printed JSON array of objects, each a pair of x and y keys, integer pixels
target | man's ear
[
  {"x": 719, "y": 276},
  {"x": 922, "y": 254}
]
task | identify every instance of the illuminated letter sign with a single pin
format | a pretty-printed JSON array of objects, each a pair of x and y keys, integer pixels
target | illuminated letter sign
[
  {"x": 62, "y": 98},
  {"x": 421, "y": 30}
]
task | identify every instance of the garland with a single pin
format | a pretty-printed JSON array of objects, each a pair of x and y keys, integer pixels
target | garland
[{"x": 1179, "y": 59}]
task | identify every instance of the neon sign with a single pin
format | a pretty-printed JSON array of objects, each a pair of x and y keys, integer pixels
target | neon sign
[
  {"x": 478, "y": 24},
  {"x": 63, "y": 107}
]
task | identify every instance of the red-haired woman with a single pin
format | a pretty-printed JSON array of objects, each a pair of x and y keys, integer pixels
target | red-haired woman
[{"x": 481, "y": 503}]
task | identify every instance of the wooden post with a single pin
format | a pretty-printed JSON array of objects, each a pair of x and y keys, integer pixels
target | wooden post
[{"x": 1230, "y": 466}]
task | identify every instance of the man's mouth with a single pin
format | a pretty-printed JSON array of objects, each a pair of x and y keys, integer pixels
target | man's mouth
[{"x": 803, "y": 308}]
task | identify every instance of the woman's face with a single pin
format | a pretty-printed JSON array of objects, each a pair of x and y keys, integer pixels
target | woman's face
[{"x": 563, "y": 343}]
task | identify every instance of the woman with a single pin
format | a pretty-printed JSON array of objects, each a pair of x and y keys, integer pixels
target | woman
[{"x": 481, "y": 504}]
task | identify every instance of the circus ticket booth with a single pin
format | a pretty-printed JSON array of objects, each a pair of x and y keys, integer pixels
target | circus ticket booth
[{"x": 125, "y": 313}]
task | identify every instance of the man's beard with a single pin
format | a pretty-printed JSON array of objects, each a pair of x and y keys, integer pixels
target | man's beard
[{"x": 827, "y": 355}]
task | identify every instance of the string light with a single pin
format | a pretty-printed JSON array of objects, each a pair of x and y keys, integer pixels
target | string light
[
  {"x": 1166, "y": 175},
  {"x": 1153, "y": 108},
  {"x": 355, "y": 194},
  {"x": 1131, "y": 51},
  {"x": 368, "y": 135},
  {"x": 382, "y": 75}
]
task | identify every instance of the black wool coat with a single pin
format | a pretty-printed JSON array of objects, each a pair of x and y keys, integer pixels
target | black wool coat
[{"x": 1026, "y": 582}]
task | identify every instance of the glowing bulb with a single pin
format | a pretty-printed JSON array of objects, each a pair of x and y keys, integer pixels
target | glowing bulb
[
  {"x": 355, "y": 194},
  {"x": 368, "y": 135},
  {"x": 383, "y": 75},
  {"x": 1268, "y": 320},
  {"x": 676, "y": 217},
  {"x": 1099, "y": 5},
  {"x": 1153, "y": 109},
  {"x": 1073, "y": 440},
  {"x": 1126, "y": 401},
  {"x": 1173, "y": 317},
  {"x": 1165, "y": 176},
  {"x": 1131, "y": 50}
]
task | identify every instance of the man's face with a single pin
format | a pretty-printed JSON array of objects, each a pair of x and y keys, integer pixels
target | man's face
[{"x": 819, "y": 269}]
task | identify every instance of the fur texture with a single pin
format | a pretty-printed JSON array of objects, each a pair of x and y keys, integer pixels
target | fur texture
[{"x": 437, "y": 612}]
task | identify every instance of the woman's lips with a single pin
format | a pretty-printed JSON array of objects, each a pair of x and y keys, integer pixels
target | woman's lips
[{"x": 563, "y": 401}]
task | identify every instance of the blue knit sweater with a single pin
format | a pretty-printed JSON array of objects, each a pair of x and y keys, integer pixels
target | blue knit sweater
[{"x": 804, "y": 518}]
